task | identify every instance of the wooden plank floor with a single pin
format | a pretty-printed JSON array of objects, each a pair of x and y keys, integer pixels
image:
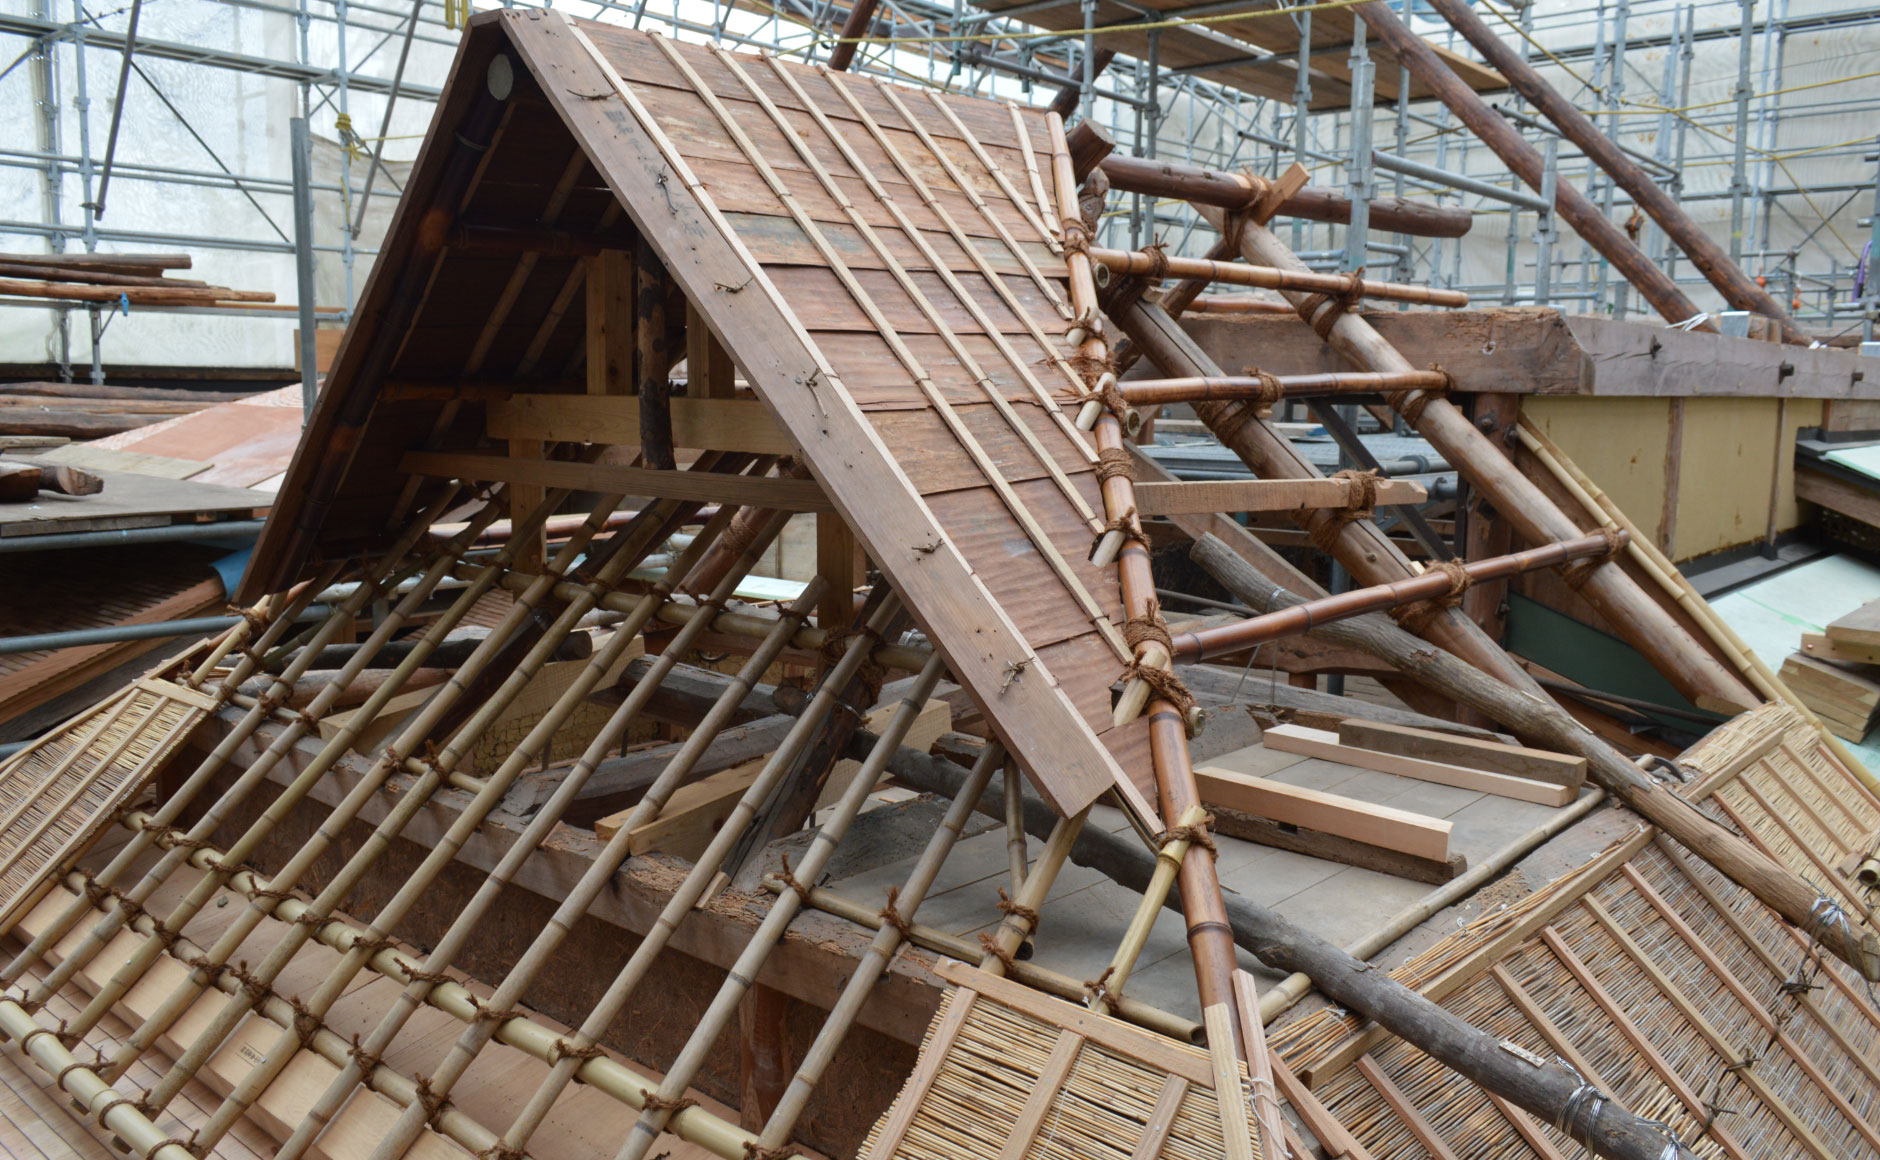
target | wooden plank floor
[{"x": 1085, "y": 913}]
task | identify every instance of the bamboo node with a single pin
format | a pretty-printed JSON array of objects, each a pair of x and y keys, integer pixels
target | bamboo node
[
  {"x": 891, "y": 915},
  {"x": 1025, "y": 914},
  {"x": 1417, "y": 617},
  {"x": 1580, "y": 571}
]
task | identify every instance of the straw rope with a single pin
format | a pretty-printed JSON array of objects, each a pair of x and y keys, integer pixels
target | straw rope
[{"x": 1360, "y": 506}]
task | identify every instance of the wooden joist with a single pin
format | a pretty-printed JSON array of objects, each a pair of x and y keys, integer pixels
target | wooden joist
[
  {"x": 1319, "y": 743},
  {"x": 791, "y": 495},
  {"x": 1263, "y": 495},
  {"x": 1393, "y": 829},
  {"x": 701, "y": 424},
  {"x": 1490, "y": 756}
]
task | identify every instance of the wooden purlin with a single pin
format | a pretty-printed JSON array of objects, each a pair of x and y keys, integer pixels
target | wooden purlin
[
  {"x": 920, "y": 223},
  {"x": 1666, "y": 986}
]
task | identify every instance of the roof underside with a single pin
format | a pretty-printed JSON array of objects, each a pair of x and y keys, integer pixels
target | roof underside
[{"x": 916, "y": 363}]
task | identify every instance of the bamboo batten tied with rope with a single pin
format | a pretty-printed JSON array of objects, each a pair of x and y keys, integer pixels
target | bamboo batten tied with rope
[
  {"x": 1350, "y": 287},
  {"x": 1438, "y": 585},
  {"x": 1262, "y": 389}
]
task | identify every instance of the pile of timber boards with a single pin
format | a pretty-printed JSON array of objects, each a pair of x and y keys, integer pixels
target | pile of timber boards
[
  {"x": 114, "y": 279},
  {"x": 91, "y": 410},
  {"x": 1837, "y": 673}
]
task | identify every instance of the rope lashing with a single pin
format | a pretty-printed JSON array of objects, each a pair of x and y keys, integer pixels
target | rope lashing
[
  {"x": 1417, "y": 617},
  {"x": 1115, "y": 463},
  {"x": 1148, "y": 628},
  {"x": 1025, "y": 914},
  {"x": 991, "y": 946},
  {"x": 1195, "y": 835},
  {"x": 1076, "y": 237},
  {"x": 1099, "y": 989},
  {"x": 871, "y": 673},
  {"x": 789, "y": 879},
  {"x": 1360, "y": 504},
  {"x": 1125, "y": 523},
  {"x": 1270, "y": 391},
  {"x": 1410, "y": 403},
  {"x": 1157, "y": 253},
  {"x": 1324, "y": 310},
  {"x": 1580, "y": 571},
  {"x": 890, "y": 916},
  {"x": 654, "y": 1102}
]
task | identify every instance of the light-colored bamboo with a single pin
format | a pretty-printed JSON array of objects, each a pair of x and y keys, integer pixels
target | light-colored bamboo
[
  {"x": 1168, "y": 863},
  {"x": 1135, "y": 262},
  {"x": 1267, "y": 1118},
  {"x": 1017, "y": 850}
]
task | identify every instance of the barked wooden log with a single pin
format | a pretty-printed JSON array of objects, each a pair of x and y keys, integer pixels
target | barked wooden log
[
  {"x": 73, "y": 424},
  {"x": 140, "y": 394},
  {"x": 1548, "y": 1091},
  {"x": 1542, "y": 723},
  {"x": 1235, "y": 190}
]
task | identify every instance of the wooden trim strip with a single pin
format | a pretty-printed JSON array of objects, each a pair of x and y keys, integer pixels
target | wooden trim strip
[
  {"x": 1821, "y": 865},
  {"x": 790, "y": 495},
  {"x": 1400, "y": 1104},
  {"x": 933, "y": 1056},
  {"x": 1032, "y": 218},
  {"x": 1031, "y": 168},
  {"x": 704, "y": 424},
  {"x": 1545, "y": 1027},
  {"x": 1161, "y": 1118},
  {"x": 1827, "y": 791},
  {"x": 1057, "y": 1069},
  {"x": 902, "y": 353}
]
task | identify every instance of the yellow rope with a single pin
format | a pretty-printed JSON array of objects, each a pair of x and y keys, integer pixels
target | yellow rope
[
  {"x": 1100, "y": 30},
  {"x": 1641, "y": 108}
]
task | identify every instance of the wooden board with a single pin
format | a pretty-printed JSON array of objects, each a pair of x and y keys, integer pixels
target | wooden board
[
  {"x": 702, "y": 424},
  {"x": 131, "y": 501},
  {"x": 1859, "y": 627},
  {"x": 1328, "y": 813},
  {"x": 791, "y": 495},
  {"x": 1319, "y": 743},
  {"x": 1821, "y": 647},
  {"x": 92, "y": 458},
  {"x": 1263, "y": 495},
  {"x": 1491, "y": 756},
  {"x": 1846, "y": 699}
]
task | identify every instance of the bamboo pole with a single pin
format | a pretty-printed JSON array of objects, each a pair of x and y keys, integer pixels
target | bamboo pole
[
  {"x": 1626, "y": 608},
  {"x": 448, "y": 946},
  {"x": 1208, "y": 643},
  {"x": 1017, "y": 850},
  {"x": 1666, "y": 575},
  {"x": 1138, "y": 263},
  {"x": 704, "y": 871},
  {"x": 904, "y": 905},
  {"x": 743, "y": 974},
  {"x": 1168, "y": 861},
  {"x": 1266, "y": 1114},
  {"x": 1267, "y": 389},
  {"x": 362, "y": 860}
]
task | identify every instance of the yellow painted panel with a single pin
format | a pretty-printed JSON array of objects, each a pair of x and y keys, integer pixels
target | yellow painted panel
[
  {"x": 1620, "y": 443},
  {"x": 1730, "y": 452}
]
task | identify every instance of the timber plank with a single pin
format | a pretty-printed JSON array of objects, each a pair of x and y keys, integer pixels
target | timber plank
[
  {"x": 1492, "y": 756},
  {"x": 701, "y": 424},
  {"x": 1393, "y": 829},
  {"x": 1325, "y": 744},
  {"x": 1859, "y": 627},
  {"x": 792, "y": 495}
]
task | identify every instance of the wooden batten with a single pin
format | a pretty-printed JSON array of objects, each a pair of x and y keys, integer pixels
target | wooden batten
[{"x": 718, "y": 424}]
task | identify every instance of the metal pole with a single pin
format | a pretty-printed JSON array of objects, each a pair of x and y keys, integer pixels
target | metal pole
[
  {"x": 1363, "y": 184},
  {"x": 300, "y": 141},
  {"x": 1546, "y": 231},
  {"x": 1739, "y": 177}
]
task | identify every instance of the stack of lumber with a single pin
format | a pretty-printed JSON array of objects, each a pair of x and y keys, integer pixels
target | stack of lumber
[
  {"x": 91, "y": 410},
  {"x": 1529, "y": 775},
  {"x": 1837, "y": 673},
  {"x": 138, "y": 279}
]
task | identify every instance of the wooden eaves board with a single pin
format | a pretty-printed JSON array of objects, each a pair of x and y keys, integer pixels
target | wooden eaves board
[{"x": 972, "y": 577}]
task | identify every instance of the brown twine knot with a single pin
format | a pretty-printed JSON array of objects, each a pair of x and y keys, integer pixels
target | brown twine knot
[
  {"x": 433, "y": 1103},
  {"x": 755, "y": 1151},
  {"x": 252, "y": 985},
  {"x": 1115, "y": 463},
  {"x": 367, "y": 1061},
  {"x": 871, "y": 674},
  {"x": 991, "y": 946},
  {"x": 789, "y": 879},
  {"x": 567, "y": 1049},
  {"x": 1195, "y": 835},
  {"x": 1580, "y": 571},
  {"x": 891, "y": 915},
  {"x": 1148, "y": 628},
  {"x": 255, "y": 621},
  {"x": 654, "y": 1102},
  {"x": 112, "y": 1106},
  {"x": 1417, "y": 617},
  {"x": 1076, "y": 237},
  {"x": 1018, "y": 910},
  {"x": 501, "y": 1151},
  {"x": 1098, "y": 988},
  {"x": 1360, "y": 504},
  {"x": 1410, "y": 403},
  {"x": 738, "y": 536},
  {"x": 1324, "y": 310},
  {"x": 372, "y": 945},
  {"x": 1125, "y": 523},
  {"x": 188, "y": 1145},
  {"x": 495, "y": 1014},
  {"x": 306, "y": 1023},
  {"x": 1107, "y": 393},
  {"x": 1166, "y": 686},
  {"x": 1271, "y": 390},
  {"x": 1157, "y": 253}
]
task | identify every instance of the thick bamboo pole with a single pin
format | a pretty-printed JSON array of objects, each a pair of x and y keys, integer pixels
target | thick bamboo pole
[
  {"x": 1729, "y": 279},
  {"x": 704, "y": 871},
  {"x": 1358, "y": 544},
  {"x": 467, "y": 920},
  {"x": 1545, "y": 724},
  {"x": 1135, "y": 262},
  {"x": 1626, "y": 608},
  {"x": 1524, "y": 161},
  {"x": 1209, "y": 643},
  {"x": 903, "y": 905},
  {"x": 1268, "y": 389}
]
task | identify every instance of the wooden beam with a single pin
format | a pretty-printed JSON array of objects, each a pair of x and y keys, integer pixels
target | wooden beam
[
  {"x": 1490, "y": 756},
  {"x": 702, "y": 424},
  {"x": 1262, "y": 495},
  {"x": 839, "y": 561},
  {"x": 1319, "y": 743},
  {"x": 708, "y": 369},
  {"x": 792, "y": 495},
  {"x": 610, "y": 324},
  {"x": 1818, "y": 487},
  {"x": 524, "y": 498},
  {"x": 1328, "y": 813}
]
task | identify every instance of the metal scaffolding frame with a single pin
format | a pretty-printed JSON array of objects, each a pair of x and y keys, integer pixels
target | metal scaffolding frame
[{"x": 353, "y": 54}]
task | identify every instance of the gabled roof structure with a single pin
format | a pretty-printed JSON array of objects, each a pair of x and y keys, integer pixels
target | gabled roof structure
[{"x": 344, "y": 904}]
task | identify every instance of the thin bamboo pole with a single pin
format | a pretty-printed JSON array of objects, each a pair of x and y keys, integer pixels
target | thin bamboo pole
[
  {"x": 1050, "y": 982},
  {"x": 1266, "y": 1114},
  {"x": 1039, "y": 197},
  {"x": 1666, "y": 575},
  {"x": 185, "y": 794},
  {"x": 1168, "y": 862},
  {"x": 744, "y": 973},
  {"x": 467, "y": 920},
  {"x": 1137, "y": 263},
  {"x": 903, "y": 354},
  {"x": 1020, "y": 922},
  {"x": 1243, "y": 388},
  {"x": 904, "y": 905},
  {"x": 703, "y": 872},
  {"x": 360, "y": 863},
  {"x": 1017, "y": 850}
]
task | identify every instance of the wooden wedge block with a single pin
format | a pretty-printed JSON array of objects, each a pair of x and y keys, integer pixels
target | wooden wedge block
[
  {"x": 1328, "y": 813},
  {"x": 1490, "y": 756},
  {"x": 1861, "y": 626},
  {"x": 1318, "y": 743},
  {"x": 1823, "y": 647}
]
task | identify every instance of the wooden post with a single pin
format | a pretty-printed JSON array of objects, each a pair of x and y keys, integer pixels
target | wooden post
[
  {"x": 610, "y": 323},
  {"x": 838, "y": 561},
  {"x": 1488, "y": 533},
  {"x": 523, "y": 499},
  {"x": 1628, "y": 610},
  {"x": 652, "y": 358},
  {"x": 709, "y": 373},
  {"x": 1728, "y": 278},
  {"x": 1524, "y": 161}
]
